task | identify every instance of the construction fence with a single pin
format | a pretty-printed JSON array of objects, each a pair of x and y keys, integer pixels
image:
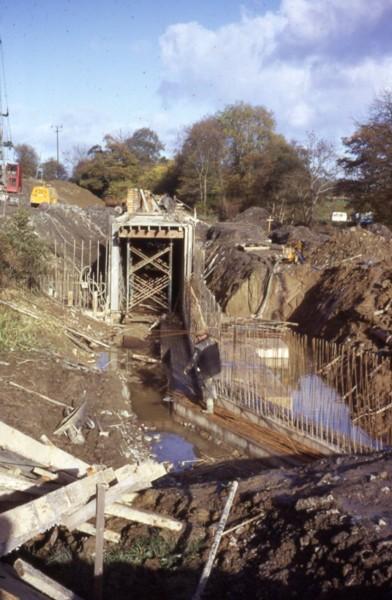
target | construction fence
[
  {"x": 78, "y": 274},
  {"x": 338, "y": 395}
]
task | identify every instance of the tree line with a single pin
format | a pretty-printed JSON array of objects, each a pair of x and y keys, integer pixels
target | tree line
[{"x": 235, "y": 159}]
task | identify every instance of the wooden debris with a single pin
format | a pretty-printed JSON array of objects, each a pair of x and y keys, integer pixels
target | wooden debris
[
  {"x": 68, "y": 329},
  {"x": 109, "y": 535},
  {"x": 22, "y": 523},
  {"x": 215, "y": 545},
  {"x": 143, "y": 516},
  {"x": 143, "y": 358},
  {"x": 14, "y": 588},
  {"x": 87, "y": 512},
  {"x": 24, "y": 389},
  {"x": 22, "y": 484},
  {"x": 23, "y": 311},
  {"x": 38, "y": 454},
  {"x": 244, "y": 523},
  {"x": 86, "y": 337},
  {"x": 45, "y": 474},
  {"x": 42, "y": 582}
]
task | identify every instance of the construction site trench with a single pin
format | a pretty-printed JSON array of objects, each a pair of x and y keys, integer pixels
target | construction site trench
[{"x": 303, "y": 420}]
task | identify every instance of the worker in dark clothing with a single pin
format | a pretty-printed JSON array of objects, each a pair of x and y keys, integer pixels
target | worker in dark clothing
[{"x": 206, "y": 363}]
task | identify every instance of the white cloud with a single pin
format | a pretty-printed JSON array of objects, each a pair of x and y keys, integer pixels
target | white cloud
[{"x": 315, "y": 63}]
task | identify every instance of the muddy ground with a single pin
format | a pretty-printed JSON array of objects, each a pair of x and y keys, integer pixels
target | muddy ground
[{"x": 321, "y": 531}]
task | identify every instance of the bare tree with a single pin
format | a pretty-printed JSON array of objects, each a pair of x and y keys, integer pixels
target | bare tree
[{"x": 307, "y": 186}]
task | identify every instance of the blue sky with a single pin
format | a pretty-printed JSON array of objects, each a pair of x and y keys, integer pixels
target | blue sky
[{"x": 98, "y": 67}]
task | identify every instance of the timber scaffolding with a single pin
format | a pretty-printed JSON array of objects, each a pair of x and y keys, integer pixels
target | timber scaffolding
[
  {"x": 143, "y": 262},
  {"x": 150, "y": 254}
]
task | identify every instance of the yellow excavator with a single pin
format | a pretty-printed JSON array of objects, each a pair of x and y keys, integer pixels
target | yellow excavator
[
  {"x": 293, "y": 252},
  {"x": 43, "y": 194}
]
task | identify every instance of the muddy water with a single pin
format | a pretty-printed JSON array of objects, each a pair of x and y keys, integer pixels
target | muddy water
[{"x": 168, "y": 441}]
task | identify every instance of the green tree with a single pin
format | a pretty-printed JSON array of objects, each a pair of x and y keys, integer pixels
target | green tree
[
  {"x": 23, "y": 256},
  {"x": 145, "y": 144},
  {"x": 201, "y": 157},
  {"x": 368, "y": 161},
  {"x": 108, "y": 170},
  {"x": 234, "y": 159},
  {"x": 28, "y": 159}
]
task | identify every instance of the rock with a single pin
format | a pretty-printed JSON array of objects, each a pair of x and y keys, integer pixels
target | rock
[
  {"x": 314, "y": 502},
  {"x": 339, "y": 538}
]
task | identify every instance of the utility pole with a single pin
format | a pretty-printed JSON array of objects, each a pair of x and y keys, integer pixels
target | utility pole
[{"x": 57, "y": 128}]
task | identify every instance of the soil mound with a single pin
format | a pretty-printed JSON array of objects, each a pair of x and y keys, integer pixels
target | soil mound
[
  {"x": 69, "y": 193},
  {"x": 255, "y": 215}
]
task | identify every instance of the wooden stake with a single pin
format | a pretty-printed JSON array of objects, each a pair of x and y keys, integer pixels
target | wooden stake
[
  {"x": 215, "y": 545},
  {"x": 99, "y": 540}
]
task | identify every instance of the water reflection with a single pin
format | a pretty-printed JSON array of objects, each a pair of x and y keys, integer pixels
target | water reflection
[
  {"x": 321, "y": 404},
  {"x": 174, "y": 449}
]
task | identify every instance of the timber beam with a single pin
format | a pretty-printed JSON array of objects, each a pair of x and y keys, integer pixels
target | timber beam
[{"x": 154, "y": 232}]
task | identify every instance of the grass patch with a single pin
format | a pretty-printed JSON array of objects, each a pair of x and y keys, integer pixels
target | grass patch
[
  {"x": 59, "y": 556},
  {"x": 18, "y": 332},
  {"x": 143, "y": 548}
]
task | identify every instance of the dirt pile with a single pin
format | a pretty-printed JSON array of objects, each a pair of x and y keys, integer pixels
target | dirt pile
[
  {"x": 341, "y": 292},
  {"x": 352, "y": 294},
  {"x": 248, "y": 227},
  {"x": 68, "y": 192},
  {"x": 63, "y": 224}
]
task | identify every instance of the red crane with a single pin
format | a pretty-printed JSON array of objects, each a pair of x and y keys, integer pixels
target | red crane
[{"x": 10, "y": 172}]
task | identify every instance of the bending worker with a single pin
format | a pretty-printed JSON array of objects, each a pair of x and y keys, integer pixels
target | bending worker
[{"x": 206, "y": 363}]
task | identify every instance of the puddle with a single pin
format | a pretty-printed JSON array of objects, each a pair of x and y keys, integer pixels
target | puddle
[
  {"x": 174, "y": 449},
  {"x": 103, "y": 361}
]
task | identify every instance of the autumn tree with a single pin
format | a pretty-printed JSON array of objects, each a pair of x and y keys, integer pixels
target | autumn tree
[
  {"x": 145, "y": 144},
  {"x": 27, "y": 158},
  {"x": 234, "y": 159},
  {"x": 107, "y": 170},
  {"x": 368, "y": 161},
  {"x": 51, "y": 169}
]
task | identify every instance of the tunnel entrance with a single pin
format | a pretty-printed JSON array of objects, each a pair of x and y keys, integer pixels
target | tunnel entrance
[
  {"x": 153, "y": 273},
  {"x": 151, "y": 257}
]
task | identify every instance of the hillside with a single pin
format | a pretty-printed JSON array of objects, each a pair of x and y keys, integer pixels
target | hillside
[{"x": 69, "y": 193}]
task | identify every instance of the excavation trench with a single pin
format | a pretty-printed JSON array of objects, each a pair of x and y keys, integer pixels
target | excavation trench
[{"x": 181, "y": 445}]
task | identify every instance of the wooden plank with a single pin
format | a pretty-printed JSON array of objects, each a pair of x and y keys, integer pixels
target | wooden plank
[
  {"x": 39, "y": 395},
  {"x": 21, "y": 484},
  {"x": 143, "y": 516},
  {"x": 42, "y": 582},
  {"x": 39, "y": 454},
  {"x": 15, "y": 588},
  {"x": 22, "y": 523},
  {"x": 109, "y": 535},
  {"x": 87, "y": 512}
]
